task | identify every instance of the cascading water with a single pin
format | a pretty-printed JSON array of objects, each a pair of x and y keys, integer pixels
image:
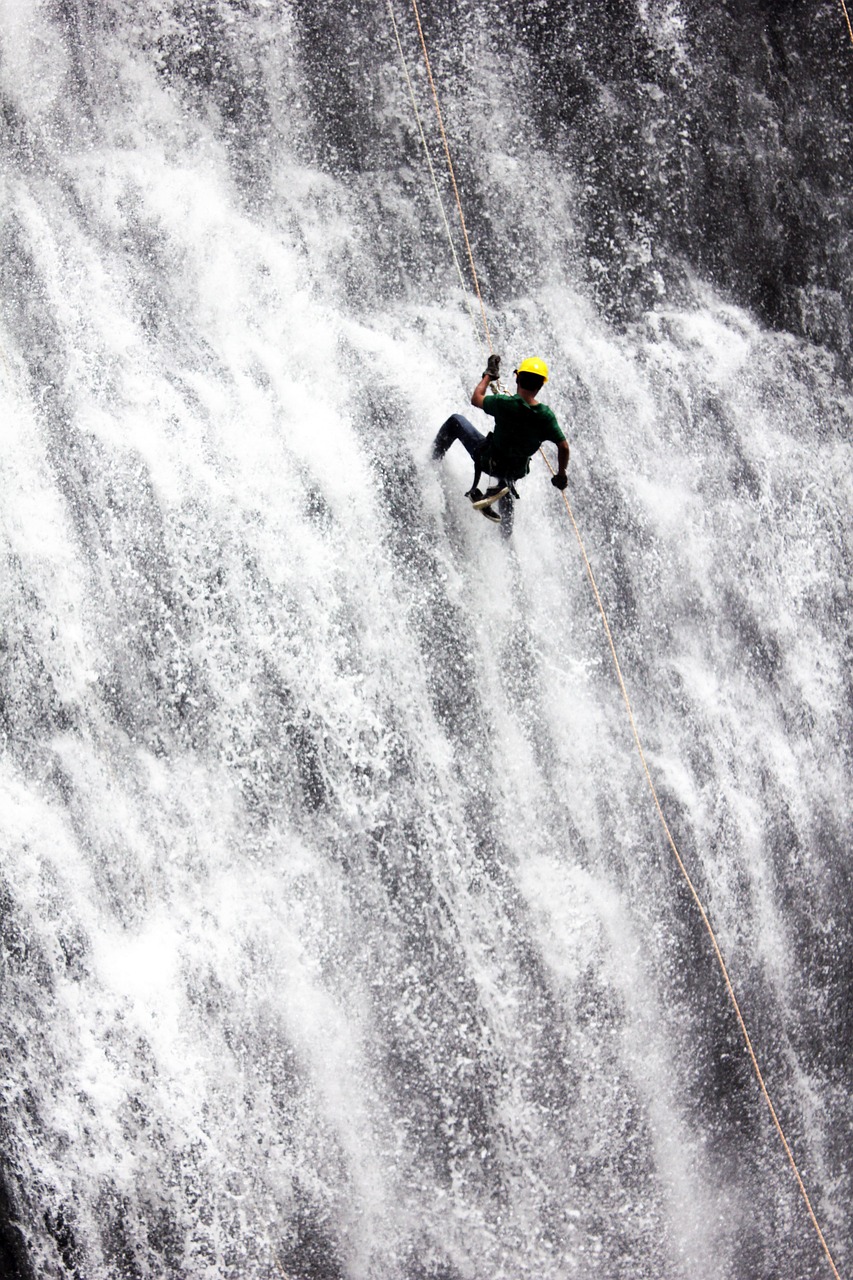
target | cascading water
[{"x": 339, "y": 937}]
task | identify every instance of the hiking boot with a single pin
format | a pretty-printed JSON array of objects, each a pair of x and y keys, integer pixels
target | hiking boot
[{"x": 490, "y": 514}]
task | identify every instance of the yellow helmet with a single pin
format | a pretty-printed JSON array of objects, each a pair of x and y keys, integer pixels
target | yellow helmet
[{"x": 534, "y": 365}]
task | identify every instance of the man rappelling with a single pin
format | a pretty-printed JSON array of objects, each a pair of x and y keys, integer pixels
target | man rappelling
[{"x": 522, "y": 424}]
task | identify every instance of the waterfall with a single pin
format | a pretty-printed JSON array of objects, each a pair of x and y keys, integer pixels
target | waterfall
[{"x": 339, "y": 938}]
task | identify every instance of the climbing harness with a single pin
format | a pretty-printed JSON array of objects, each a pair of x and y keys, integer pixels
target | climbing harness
[{"x": 637, "y": 740}]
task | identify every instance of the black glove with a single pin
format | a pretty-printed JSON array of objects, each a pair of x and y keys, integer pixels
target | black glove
[
  {"x": 560, "y": 480},
  {"x": 493, "y": 368}
]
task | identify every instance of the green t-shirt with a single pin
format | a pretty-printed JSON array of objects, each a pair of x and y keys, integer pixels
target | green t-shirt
[{"x": 520, "y": 429}]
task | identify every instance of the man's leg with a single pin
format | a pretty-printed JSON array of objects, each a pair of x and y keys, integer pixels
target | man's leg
[
  {"x": 457, "y": 428},
  {"x": 506, "y": 510}
]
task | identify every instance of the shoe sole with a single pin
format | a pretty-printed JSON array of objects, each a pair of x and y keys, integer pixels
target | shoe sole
[{"x": 492, "y": 498}]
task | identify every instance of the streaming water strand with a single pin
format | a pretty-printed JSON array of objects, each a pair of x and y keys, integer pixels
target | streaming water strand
[{"x": 638, "y": 742}]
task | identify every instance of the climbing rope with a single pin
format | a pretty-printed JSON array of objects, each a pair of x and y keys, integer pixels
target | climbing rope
[
  {"x": 452, "y": 173},
  {"x": 690, "y": 885},
  {"x": 847, "y": 17},
  {"x": 637, "y": 740},
  {"x": 425, "y": 145}
]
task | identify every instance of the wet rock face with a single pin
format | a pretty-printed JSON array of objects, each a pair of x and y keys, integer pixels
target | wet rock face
[
  {"x": 691, "y": 141},
  {"x": 14, "y": 1259},
  {"x": 338, "y": 937},
  {"x": 714, "y": 142},
  {"x": 685, "y": 142}
]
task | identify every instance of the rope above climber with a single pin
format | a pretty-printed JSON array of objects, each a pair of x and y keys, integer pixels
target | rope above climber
[{"x": 522, "y": 424}]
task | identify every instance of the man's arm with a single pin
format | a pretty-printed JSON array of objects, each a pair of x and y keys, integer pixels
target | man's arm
[
  {"x": 560, "y": 480},
  {"x": 478, "y": 395},
  {"x": 492, "y": 374}
]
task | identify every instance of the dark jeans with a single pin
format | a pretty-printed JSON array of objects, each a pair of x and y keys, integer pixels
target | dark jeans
[{"x": 459, "y": 428}]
